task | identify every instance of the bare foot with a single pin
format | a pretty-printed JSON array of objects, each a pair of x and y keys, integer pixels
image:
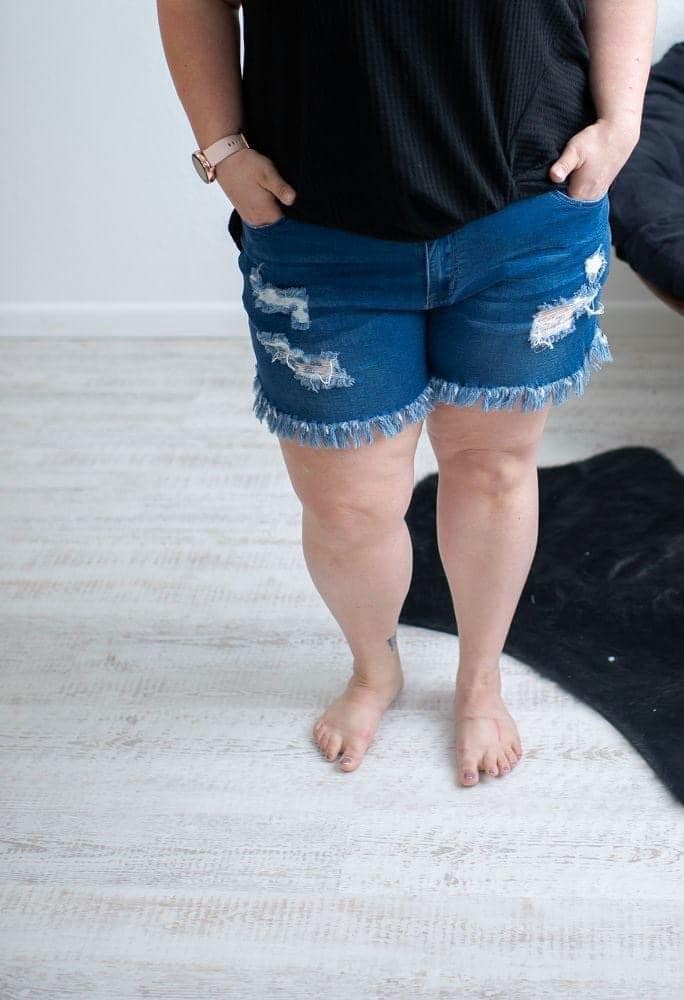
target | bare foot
[
  {"x": 349, "y": 724},
  {"x": 487, "y": 737}
]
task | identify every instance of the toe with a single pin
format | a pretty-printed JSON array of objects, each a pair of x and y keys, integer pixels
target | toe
[
  {"x": 490, "y": 763},
  {"x": 468, "y": 771},
  {"x": 512, "y": 757},
  {"x": 352, "y": 756},
  {"x": 334, "y": 746},
  {"x": 517, "y": 746},
  {"x": 502, "y": 761},
  {"x": 350, "y": 761},
  {"x": 323, "y": 741}
]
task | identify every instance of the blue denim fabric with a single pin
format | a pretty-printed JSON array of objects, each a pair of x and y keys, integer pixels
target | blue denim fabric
[{"x": 353, "y": 334}]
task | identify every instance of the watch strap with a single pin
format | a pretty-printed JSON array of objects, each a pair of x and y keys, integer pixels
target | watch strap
[{"x": 222, "y": 148}]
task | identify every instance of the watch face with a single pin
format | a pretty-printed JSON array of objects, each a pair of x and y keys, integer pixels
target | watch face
[{"x": 200, "y": 167}]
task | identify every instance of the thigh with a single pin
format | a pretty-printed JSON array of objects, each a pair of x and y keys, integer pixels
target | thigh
[
  {"x": 454, "y": 430},
  {"x": 523, "y": 328},
  {"x": 375, "y": 481},
  {"x": 337, "y": 332}
]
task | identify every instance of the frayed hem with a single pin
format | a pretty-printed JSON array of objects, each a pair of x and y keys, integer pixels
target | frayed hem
[
  {"x": 346, "y": 433},
  {"x": 354, "y": 433},
  {"x": 529, "y": 397}
]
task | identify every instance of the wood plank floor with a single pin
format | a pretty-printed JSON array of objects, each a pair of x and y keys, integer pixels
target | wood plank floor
[{"x": 169, "y": 829}]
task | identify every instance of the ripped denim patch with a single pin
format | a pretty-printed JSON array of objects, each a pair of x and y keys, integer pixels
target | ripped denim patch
[
  {"x": 271, "y": 299},
  {"x": 554, "y": 320},
  {"x": 315, "y": 371}
]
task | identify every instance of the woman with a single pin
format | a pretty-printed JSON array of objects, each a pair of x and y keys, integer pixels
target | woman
[{"x": 420, "y": 200}]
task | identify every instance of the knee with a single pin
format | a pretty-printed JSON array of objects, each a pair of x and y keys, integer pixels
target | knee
[
  {"x": 355, "y": 521},
  {"x": 493, "y": 472}
]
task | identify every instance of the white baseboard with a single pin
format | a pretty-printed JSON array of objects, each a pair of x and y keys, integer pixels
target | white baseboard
[{"x": 204, "y": 319}]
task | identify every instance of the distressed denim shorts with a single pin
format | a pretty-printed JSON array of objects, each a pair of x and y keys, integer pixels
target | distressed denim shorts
[{"x": 353, "y": 333}]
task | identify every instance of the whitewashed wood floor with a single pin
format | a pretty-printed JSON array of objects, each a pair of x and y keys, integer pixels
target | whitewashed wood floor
[{"x": 169, "y": 829}]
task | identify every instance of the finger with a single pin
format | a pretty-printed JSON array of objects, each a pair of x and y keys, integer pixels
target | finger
[
  {"x": 278, "y": 186},
  {"x": 569, "y": 160}
]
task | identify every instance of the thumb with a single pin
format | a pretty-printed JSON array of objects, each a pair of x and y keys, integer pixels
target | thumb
[
  {"x": 568, "y": 161},
  {"x": 278, "y": 186}
]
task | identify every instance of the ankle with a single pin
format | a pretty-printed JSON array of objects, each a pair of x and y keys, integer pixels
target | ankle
[
  {"x": 379, "y": 661},
  {"x": 380, "y": 678},
  {"x": 478, "y": 683}
]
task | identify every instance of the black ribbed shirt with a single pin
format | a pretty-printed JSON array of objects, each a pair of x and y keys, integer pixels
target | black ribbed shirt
[{"x": 406, "y": 119}]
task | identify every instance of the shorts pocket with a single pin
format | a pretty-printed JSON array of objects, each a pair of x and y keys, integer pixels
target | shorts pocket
[
  {"x": 579, "y": 202},
  {"x": 267, "y": 225}
]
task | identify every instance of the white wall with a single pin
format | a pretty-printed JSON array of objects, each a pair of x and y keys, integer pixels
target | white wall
[{"x": 106, "y": 226}]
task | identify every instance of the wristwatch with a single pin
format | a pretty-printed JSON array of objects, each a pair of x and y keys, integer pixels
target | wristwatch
[{"x": 205, "y": 160}]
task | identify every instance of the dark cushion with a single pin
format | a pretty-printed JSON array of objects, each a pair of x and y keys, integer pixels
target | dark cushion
[{"x": 647, "y": 196}]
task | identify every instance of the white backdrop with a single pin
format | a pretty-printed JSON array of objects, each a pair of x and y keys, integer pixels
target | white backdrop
[{"x": 106, "y": 227}]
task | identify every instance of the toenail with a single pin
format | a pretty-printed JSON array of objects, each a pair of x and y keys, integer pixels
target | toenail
[
  {"x": 346, "y": 760},
  {"x": 491, "y": 772},
  {"x": 468, "y": 775}
]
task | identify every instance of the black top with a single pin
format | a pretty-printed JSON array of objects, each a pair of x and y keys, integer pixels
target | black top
[{"x": 405, "y": 119}]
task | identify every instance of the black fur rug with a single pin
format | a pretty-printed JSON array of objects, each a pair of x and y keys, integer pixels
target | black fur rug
[{"x": 602, "y": 609}]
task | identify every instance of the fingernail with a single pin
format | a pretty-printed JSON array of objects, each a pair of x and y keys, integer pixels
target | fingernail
[{"x": 289, "y": 197}]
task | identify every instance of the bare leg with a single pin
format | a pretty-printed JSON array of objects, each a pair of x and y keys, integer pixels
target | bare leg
[
  {"x": 487, "y": 528},
  {"x": 358, "y": 552}
]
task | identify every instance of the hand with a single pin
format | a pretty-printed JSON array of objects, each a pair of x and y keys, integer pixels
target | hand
[
  {"x": 594, "y": 157},
  {"x": 252, "y": 183}
]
